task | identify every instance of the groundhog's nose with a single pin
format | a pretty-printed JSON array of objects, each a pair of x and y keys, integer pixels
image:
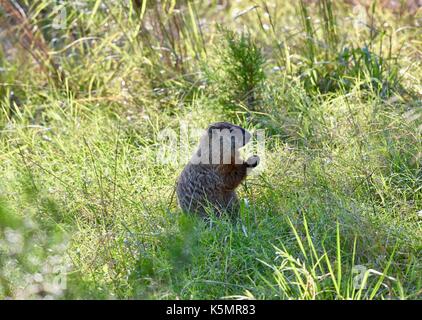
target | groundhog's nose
[{"x": 247, "y": 136}]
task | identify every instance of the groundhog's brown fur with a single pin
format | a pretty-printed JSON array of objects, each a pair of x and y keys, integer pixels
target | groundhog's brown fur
[{"x": 212, "y": 183}]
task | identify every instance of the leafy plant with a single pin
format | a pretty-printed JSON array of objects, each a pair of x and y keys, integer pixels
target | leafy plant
[
  {"x": 333, "y": 66},
  {"x": 239, "y": 73}
]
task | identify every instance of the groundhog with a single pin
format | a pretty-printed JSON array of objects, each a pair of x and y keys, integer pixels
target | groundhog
[{"x": 215, "y": 170}]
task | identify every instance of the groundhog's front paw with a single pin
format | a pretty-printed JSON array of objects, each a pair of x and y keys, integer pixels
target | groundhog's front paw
[{"x": 252, "y": 162}]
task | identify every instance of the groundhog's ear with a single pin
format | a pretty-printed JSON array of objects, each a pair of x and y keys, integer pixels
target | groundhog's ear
[
  {"x": 207, "y": 134},
  {"x": 210, "y": 130}
]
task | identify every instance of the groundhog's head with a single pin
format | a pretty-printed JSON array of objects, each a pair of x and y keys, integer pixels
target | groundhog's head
[{"x": 220, "y": 144}]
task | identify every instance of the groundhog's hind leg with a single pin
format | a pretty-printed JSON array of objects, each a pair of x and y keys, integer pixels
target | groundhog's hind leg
[{"x": 231, "y": 204}]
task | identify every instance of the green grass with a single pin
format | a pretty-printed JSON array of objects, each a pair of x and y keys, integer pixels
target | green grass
[{"x": 87, "y": 210}]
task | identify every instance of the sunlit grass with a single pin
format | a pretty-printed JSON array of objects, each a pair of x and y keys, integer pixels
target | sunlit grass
[{"x": 88, "y": 211}]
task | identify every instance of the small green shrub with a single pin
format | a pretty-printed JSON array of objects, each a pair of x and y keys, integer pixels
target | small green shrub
[{"x": 239, "y": 73}]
